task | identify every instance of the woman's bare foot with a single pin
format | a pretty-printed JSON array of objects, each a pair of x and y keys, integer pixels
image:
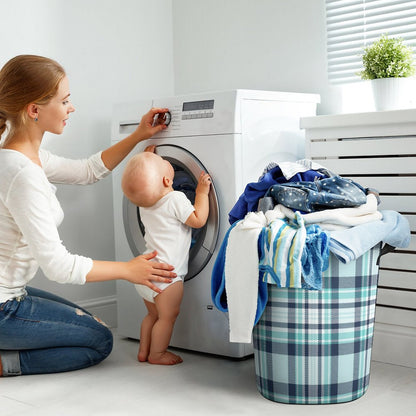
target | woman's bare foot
[{"x": 165, "y": 358}]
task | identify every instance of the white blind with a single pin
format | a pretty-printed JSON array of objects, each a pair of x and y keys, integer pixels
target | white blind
[{"x": 354, "y": 24}]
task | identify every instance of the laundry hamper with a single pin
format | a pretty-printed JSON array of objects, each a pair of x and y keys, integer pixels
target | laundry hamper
[{"x": 314, "y": 347}]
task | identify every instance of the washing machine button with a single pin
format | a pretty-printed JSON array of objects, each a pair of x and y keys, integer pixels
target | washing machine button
[{"x": 162, "y": 118}]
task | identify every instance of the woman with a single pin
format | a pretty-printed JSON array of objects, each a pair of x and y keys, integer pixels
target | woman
[{"x": 39, "y": 332}]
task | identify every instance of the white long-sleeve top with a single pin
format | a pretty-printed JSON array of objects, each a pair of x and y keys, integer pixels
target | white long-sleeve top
[{"x": 30, "y": 214}]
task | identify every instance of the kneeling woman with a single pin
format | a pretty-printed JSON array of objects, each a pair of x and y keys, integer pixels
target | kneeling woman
[{"x": 39, "y": 332}]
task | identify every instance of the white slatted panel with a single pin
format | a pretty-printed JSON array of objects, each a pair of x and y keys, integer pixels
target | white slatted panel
[
  {"x": 398, "y": 298},
  {"x": 354, "y": 24},
  {"x": 395, "y": 279},
  {"x": 355, "y": 166},
  {"x": 389, "y": 185},
  {"x": 387, "y": 164},
  {"x": 365, "y": 146},
  {"x": 399, "y": 261},
  {"x": 378, "y": 150}
]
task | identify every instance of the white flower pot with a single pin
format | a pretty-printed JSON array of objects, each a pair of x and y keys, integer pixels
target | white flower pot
[{"x": 392, "y": 93}]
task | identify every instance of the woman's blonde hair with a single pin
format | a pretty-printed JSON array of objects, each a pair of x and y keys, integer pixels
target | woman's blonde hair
[{"x": 26, "y": 79}]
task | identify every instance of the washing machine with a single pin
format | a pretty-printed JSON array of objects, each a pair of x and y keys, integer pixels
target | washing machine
[{"x": 232, "y": 135}]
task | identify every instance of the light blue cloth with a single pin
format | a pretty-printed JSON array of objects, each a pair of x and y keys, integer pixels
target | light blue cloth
[
  {"x": 349, "y": 244},
  {"x": 315, "y": 257}
]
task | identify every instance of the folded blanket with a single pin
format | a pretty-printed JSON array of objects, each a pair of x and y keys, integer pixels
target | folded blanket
[{"x": 392, "y": 229}]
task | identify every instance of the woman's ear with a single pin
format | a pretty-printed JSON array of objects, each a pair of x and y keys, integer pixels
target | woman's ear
[{"x": 32, "y": 111}]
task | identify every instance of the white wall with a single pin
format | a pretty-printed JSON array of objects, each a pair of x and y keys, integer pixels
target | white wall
[
  {"x": 119, "y": 50},
  {"x": 112, "y": 52},
  {"x": 261, "y": 44}
]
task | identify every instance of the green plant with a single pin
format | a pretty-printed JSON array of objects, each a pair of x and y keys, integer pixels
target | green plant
[{"x": 387, "y": 58}]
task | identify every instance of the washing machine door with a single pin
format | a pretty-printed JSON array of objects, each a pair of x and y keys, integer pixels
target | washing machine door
[{"x": 187, "y": 170}]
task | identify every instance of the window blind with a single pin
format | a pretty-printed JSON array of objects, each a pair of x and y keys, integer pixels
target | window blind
[{"x": 355, "y": 24}]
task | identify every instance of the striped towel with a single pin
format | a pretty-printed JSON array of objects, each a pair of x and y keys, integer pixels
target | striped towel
[{"x": 282, "y": 243}]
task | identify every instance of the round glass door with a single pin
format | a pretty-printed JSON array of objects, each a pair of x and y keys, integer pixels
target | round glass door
[{"x": 187, "y": 169}]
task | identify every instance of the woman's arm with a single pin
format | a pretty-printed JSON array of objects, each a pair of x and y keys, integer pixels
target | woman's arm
[
  {"x": 137, "y": 270},
  {"x": 33, "y": 221},
  {"x": 116, "y": 153}
]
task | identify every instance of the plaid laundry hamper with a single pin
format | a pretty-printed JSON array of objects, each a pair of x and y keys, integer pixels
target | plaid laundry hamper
[{"x": 314, "y": 347}]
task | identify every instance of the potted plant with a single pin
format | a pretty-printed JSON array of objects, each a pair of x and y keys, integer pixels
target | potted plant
[{"x": 387, "y": 63}]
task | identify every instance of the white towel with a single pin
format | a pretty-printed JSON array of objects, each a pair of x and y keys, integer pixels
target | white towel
[
  {"x": 290, "y": 169},
  {"x": 340, "y": 218},
  {"x": 241, "y": 271}
]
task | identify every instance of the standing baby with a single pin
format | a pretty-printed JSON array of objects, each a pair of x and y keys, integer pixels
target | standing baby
[{"x": 168, "y": 217}]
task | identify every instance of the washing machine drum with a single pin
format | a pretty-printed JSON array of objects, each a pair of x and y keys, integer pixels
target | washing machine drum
[{"x": 187, "y": 169}]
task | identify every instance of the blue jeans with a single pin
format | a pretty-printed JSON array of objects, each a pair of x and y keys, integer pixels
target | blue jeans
[{"x": 43, "y": 333}]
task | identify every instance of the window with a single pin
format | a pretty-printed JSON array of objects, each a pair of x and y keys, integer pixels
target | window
[{"x": 354, "y": 24}]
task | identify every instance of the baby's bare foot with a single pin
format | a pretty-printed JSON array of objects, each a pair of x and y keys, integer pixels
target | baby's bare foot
[
  {"x": 142, "y": 356},
  {"x": 143, "y": 353},
  {"x": 165, "y": 358}
]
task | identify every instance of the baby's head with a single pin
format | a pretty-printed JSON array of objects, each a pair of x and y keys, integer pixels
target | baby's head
[{"x": 146, "y": 178}]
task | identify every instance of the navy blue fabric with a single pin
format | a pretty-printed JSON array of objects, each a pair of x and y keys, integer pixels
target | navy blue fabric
[
  {"x": 311, "y": 196},
  {"x": 249, "y": 199}
]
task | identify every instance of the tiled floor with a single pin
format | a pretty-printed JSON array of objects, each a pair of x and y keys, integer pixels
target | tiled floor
[{"x": 201, "y": 385}]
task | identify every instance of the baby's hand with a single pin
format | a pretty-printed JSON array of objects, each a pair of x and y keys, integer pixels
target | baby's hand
[{"x": 204, "y": 183}]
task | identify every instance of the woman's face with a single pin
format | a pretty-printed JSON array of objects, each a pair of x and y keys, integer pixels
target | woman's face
[{"x": 53, "y": 115}]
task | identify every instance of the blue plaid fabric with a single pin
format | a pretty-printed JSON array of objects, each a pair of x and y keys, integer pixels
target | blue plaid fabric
[{"x": 314, "y": 347}]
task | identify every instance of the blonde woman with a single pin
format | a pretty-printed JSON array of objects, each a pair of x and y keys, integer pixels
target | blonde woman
[{"x": 39, "y": 332}]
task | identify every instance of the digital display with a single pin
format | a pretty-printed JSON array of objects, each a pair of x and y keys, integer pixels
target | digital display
[{"x": 198, "y": 105}]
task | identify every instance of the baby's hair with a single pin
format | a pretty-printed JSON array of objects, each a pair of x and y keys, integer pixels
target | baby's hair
[{"x": 141, "y": 180}]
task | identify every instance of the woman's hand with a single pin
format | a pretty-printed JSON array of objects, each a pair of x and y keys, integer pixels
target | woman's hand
[
  {"x": 147, "y": 128},
  {"x": 145, "y": 272},
  {"x": 112, "y": 156},
  {"x": 139, "y": 270}
]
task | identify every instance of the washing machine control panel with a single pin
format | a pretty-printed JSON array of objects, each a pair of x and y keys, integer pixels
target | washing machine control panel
[
  {"x": 199, "y": 114},
  {"x": 192, "y": 110}
]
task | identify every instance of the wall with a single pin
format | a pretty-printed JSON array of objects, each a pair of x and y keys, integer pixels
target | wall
[
  {"x": 117, "y": 51},
  {"x": 262, "y": 44},
  {"x": 111, "y": 52}
]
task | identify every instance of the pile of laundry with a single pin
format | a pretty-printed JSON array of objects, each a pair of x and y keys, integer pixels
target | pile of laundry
[{"x": 283, "y": 228}]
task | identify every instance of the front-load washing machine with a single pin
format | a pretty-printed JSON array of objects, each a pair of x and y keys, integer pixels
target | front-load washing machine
[{"x": 232, "y": 135}]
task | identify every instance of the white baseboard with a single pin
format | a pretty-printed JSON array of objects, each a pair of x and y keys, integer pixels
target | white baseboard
[
  {"x": 394, "y": 344},
  {"x": 105, "y": 308}
]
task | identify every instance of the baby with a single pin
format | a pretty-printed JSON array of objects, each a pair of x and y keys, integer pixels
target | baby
[{"x": 168, "y": 217}]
